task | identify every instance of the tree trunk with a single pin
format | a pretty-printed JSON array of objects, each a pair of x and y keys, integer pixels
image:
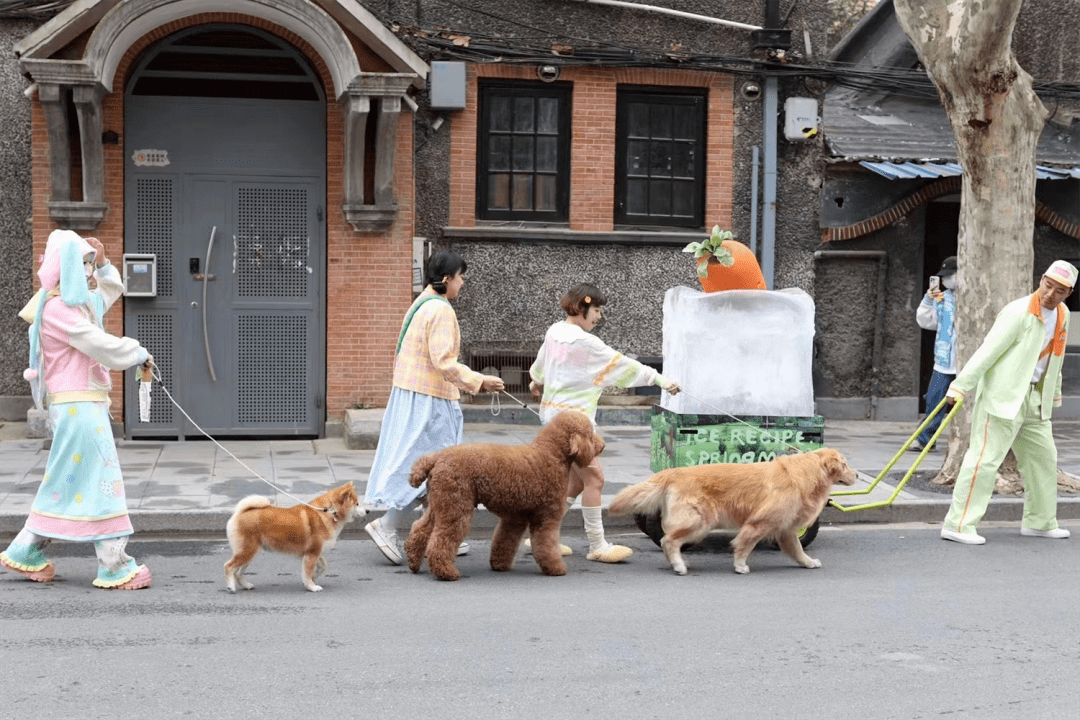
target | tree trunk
[{"x": 997, "y": 118}]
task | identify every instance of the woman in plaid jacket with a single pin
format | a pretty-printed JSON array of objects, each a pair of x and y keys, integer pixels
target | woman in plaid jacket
[{"x": 423, "y": 414}]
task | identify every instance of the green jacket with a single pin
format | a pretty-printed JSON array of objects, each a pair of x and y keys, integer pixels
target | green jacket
[{"x": 1000, "y": 371}]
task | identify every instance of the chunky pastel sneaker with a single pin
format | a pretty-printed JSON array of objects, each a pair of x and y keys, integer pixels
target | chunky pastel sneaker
[
  {"x": 564, "y": 549},
  {"x": 127, "y": 577},
  {"x": 463, "y": 548},
  {"x": 43, "y": 574},
  {"x": 140, "y": 581},
  {"x": 1055, "y": 534},
  {"x": 965, "y": 538},
  {"x": 610, "y": 553},
  {"x": 387, "y": 541}
]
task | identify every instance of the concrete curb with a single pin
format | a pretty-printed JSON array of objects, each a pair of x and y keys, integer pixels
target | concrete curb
[
  {"x": 929, "y": 510},
  {"x": 933, "y": 510}
]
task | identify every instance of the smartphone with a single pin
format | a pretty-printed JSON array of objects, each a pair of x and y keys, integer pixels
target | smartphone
[{"x": 935, "y": 283}]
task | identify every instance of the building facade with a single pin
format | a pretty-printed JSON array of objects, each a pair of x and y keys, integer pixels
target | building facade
[
  {"x": 287, "y": 163},
  {"x": 276, "y": 163}
]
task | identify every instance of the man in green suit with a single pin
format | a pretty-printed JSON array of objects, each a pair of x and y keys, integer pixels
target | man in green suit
[{"x": 1015, "y": 378}]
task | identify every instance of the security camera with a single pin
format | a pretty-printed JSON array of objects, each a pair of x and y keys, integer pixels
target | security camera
[
  {"x": 751, "y": 91},
  {"x": 547, "y": 73}
]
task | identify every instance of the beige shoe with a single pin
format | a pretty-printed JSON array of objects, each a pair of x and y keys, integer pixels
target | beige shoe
[
  {"x": 564, "y": 549},
  {"x": 610, "y": 553}
]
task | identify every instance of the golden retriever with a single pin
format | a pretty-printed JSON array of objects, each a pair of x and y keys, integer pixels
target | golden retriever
[
  {"x": 762, "y": 500},
  {"x": 524, "y": 485},
  {"x": 299, "y": 530}
]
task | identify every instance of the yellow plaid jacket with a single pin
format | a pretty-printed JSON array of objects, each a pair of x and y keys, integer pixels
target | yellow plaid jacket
[{"x": 428, "y": 359}]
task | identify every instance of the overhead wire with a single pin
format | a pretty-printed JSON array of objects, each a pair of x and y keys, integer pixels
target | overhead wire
[
  {"x": 31, "y": 8},
  {"x": 447, "y": 43}
]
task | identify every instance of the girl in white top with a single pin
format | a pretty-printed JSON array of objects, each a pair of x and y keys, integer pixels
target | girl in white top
[{"x": 571, "y": 370}]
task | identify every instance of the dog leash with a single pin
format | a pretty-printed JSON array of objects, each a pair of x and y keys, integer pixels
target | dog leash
[
  {"x": 496, "y": 408},
  {"x": 496, "y": 404},
  {"x": 161, "y": 383}
]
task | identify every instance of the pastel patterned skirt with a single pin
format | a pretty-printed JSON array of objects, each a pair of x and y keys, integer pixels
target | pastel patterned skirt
[
  {"x": 81, "y": 497},
  {"x": 414, "y": 424}
]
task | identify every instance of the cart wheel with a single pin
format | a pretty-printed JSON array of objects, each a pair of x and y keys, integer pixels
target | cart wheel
[
  {"x": 650, "y": 525},
  {"x": 807, "y": 535}
]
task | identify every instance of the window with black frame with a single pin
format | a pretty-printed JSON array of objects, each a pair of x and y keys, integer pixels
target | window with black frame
[
  {"x": 523, "y": 148},
  {"x": 660, "y": 156}
]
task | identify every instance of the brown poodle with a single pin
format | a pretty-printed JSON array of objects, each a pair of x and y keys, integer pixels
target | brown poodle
[{"x": 524, "y": 485}]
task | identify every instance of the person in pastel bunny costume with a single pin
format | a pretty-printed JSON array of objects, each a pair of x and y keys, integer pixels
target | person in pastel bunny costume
[{"x": 81, "y": 497}]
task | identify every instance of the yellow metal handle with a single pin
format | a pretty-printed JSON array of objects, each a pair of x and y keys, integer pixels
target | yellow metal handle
[{"x": 911, "y": 471}]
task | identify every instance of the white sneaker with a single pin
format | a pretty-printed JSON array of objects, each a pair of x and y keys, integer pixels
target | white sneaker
[
  {"x": 463, "y": 548},
  {"x": 1055, "y": 534},
  {"x": 965, "y": 538},
  {"x": 386, "y": 541},
  {"x": 564, "y": 550}
]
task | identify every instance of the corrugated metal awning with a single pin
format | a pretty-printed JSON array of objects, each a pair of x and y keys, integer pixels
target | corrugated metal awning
[{"x": 911, "y": 170}]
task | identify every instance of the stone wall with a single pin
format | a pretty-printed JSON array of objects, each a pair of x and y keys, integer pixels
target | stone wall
[{"x": 15, "y": 234}]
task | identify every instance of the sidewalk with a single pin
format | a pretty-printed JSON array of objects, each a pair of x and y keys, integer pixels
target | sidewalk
[{"x": 190, "y": 488}]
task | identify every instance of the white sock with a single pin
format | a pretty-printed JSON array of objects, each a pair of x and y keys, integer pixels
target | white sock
[
  {"x": 396, "y": 517},
  {"x": 594, "y": 528}
]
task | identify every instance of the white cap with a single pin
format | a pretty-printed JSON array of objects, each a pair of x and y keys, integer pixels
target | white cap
[{"x": 1063, "y": 272}]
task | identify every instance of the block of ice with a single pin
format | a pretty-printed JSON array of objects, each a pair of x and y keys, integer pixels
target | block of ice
[{"x": 742, "y": 352}]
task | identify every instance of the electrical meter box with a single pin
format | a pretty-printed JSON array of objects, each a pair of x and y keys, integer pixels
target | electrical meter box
[
  {"x": 801, "y": 121},
  {"x": 446, "y": 83},
  {"x": 140, "y": 275}
]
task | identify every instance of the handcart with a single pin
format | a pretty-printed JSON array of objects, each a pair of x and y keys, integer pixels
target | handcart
[{"x": 651, "y": 524}]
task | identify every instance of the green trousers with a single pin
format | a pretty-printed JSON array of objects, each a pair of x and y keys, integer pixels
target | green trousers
[{"x": 1032, "y": 441}]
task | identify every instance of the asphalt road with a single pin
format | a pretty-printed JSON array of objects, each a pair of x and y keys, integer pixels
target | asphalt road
[{"x": 896, "y": 624}]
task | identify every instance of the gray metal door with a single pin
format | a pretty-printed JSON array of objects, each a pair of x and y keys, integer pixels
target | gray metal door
[{"x": 229, "y": 194}]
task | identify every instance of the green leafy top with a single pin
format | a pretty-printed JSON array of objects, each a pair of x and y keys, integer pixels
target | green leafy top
[{"x": 712, "y": 247}]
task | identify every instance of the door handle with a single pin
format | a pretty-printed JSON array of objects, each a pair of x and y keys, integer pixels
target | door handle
[{"x": 205, "y": 330}]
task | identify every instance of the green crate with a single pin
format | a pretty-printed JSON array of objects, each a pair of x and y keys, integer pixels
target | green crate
[{"x": 684, "y": 440}]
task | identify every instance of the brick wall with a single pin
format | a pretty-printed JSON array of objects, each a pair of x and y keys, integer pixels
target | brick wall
[
  {"x": 592, "y": 156},
  {"x": 368, "y": 283}
]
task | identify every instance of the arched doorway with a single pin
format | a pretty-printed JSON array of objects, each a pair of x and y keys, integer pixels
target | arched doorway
[{"x": 225, "y": 184}]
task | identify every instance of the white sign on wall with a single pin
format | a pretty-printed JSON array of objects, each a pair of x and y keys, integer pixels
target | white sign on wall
[
  {"x": 150, "y": 158},
  {"x": 420, "y": 255}
]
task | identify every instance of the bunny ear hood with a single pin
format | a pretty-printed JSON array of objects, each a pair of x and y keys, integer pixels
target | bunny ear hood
[
  {"x": 61, "y": 269},
  {"x": 73, "y": 288},
  {"x": 49, "y": 273},
  {"x": 63, "y": 266}
]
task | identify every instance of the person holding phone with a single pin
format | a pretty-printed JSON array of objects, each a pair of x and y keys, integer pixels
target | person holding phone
[{"x": 936, "y": 312}]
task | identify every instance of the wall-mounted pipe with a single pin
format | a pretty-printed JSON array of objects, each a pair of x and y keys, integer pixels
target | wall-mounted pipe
[
  {"x": 755, "y": 161},
  {"x": 770, "y": 119},
  {"x": 879, "y": 313}
]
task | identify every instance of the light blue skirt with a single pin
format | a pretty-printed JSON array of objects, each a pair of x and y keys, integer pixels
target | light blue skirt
[
  {"x": 82, "y": 496},
  {"x": 414, "y": 424}
]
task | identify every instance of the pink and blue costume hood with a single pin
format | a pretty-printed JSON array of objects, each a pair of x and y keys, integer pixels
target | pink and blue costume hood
[{"x": 61, "y": 273}]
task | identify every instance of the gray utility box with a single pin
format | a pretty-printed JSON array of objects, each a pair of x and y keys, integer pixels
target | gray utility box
[{"x": 446, "y": 85}]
